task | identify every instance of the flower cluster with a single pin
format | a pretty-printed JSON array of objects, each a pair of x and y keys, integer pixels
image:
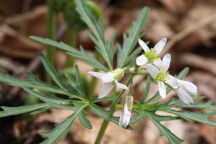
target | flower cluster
[{"x": 157, "y": 68}]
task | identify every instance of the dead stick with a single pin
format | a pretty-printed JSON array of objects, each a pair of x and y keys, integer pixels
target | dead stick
[{"x": 196, "y": 26}]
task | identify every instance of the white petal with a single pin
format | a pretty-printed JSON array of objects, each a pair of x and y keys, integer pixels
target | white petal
[
  {"x": 122, "y": 86},
  {"x": 158, "y": 63},
  {"x": 172, "y": 82},
  {"x": 105, "y": 90},
  {"x": 152, "y": 70},
  {"x": 166, "y": 62},
  {"x": 190, "y": 87},
  {"x": 162, "y": 89},
  {"x": 184, "y": 96},
  {"x": 143, "y": 45},
  {"x": 96, "y": 74},
  {"x": 141, "y": 60},
  {"x": 108, "y": 77},
  {"x": 160, "y": 45},
  {"x": 125, "y": 117}
]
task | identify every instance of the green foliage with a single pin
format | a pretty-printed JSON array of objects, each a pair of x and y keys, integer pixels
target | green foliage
[
  {"x": 9, "y": 111},
  {"x": 146, "y": 90},
  {"x": 81, "y": 54},
  {"x": 96, "y": 28},
  {"x": 124, "y": 55},
  {"x": 195, "y": 116},
  {"x": 163, "y": 130},
  {"x": 61, "y": 129},
  {"x": 70, "y": 91}
]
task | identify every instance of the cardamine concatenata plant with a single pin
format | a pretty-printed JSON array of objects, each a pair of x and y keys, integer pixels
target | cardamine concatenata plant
[{"x": 68, "y": 91}]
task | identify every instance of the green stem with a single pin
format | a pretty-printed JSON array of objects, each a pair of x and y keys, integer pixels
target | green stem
[
  {"x": 50, "y": 31},
  {"x": 93, "y": 81},
  {"x": 50, "y": 35},
  {"x": 72, "y": 38},
  {"x": 113, "y": 106}
]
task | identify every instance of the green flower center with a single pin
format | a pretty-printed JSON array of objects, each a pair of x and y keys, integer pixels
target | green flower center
[
  {"x": 151, "y": 55},
  {"x": 162, "y": 76},
  {"x": 118, "y": 74}
]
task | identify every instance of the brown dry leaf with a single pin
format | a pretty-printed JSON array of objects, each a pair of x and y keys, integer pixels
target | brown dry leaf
[
  {"x": 209, "y": 132},
  {"x": 17, "y": 45}
]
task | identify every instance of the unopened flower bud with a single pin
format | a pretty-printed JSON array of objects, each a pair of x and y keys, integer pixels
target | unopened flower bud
[{"x": 126, "y": 113}]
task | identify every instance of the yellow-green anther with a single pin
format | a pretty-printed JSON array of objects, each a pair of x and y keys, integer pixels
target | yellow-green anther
[
  {"x": 162, "y": 76},
  {"x": 151, "y": 55}
]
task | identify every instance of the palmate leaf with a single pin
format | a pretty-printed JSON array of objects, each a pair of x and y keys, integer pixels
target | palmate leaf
[
  {"x": 163, "y": 130},
  {"x": 9, "y": 111},
  {"x": 61, "y": 129},
  {"x": 130, "y": 41},
  {"x": 96, "y": 28},
  {"x": 71, "y": 51},
  {"x": 195, "y": 116}
]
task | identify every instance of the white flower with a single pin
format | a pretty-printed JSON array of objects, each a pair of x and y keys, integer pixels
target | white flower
[
  {"x": 150, "y": 54},
  {"x": 110, "y": 79},
  {"x": 126, "y": 113},
  {"x": 159, "y": 73},
  {"x": 184, "y": 90}
]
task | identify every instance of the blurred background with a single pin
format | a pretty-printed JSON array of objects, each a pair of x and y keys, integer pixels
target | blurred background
[{"x": 189, "y": 25}]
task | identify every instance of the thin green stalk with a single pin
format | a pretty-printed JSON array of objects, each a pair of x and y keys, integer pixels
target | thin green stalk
[
  {"x": 50, "y": 31},
  {"x": 94, "y": 80},
  {"x": 113, "y": 106},
  {"x": 72, "y": 38},
  {"x": 50, "y": 35}
]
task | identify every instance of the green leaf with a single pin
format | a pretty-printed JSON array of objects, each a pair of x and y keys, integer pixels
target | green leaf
[
  {"x": 163, "y": 130},
  {"x": 137, "y": 117},
  {"x": 130, "y": 41},
  {"x": 61, "y": 129},
  {"x": 32, "y": 83},
  {"x": 51, "y": 71},
  {"x": 195, "y": 116},
  {"x": 146, "y": 90},
  {"x": 101, "y": 112},
  {"x": 76, "y": 82},
  {"x": 48, "y": 98},
  {"x": 9, "y": 111},
  {"x": 85, "y": 122},
  {"x": 71, "y": 51},
  {"x": 205, "y": 105},
  {"x": 110, "y": 98},
  {"x": 97, "y": 30},
  {"x": 181, "y": 75}
]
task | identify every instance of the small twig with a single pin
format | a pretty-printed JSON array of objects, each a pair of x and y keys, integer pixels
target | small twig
[{"x": 196, "y": 26}]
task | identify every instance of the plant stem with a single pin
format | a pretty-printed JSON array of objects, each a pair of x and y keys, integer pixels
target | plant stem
[
  {"x": 94, "y": 80},
  {"x": 50, "y": 35},
  {"x": 50, "y": 31},
  {"x": 72, "y": 38},
  {"x": 105, "y": 123}
]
